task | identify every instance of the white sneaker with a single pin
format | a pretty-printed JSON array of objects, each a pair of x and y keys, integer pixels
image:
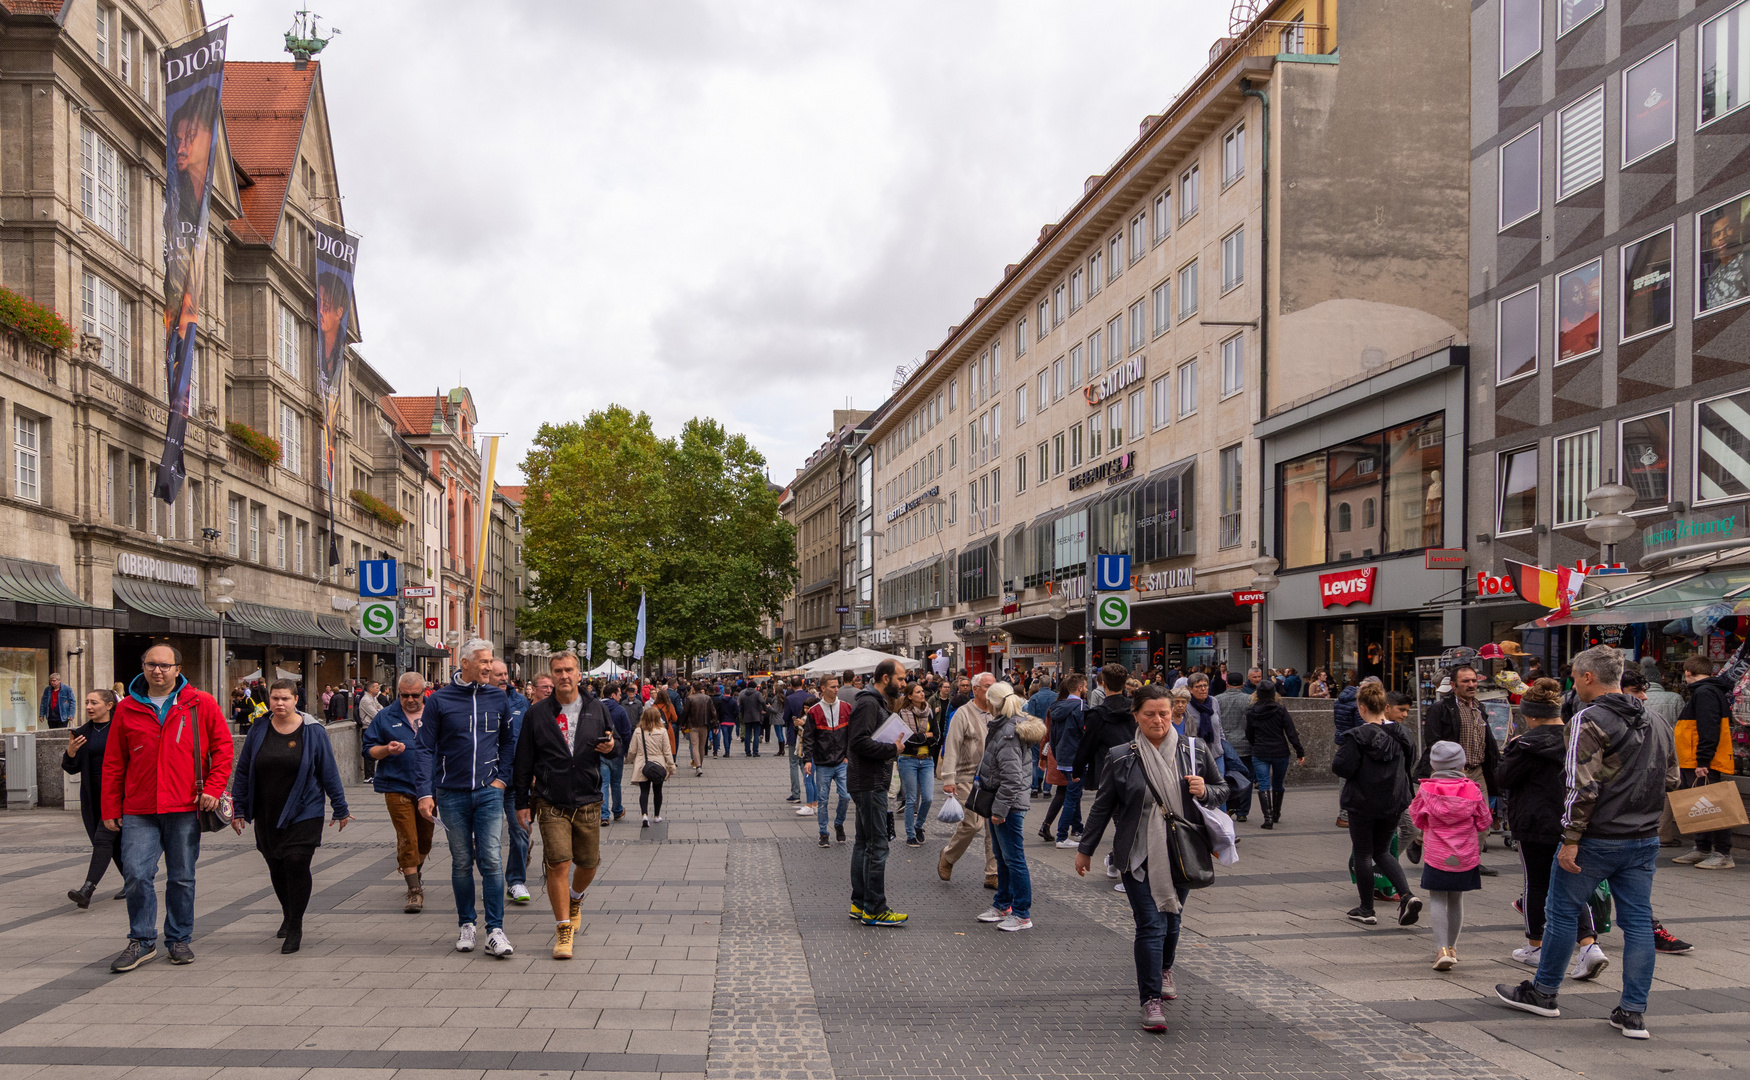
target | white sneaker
[
  {"x": 1528, "y": 955},
  {"x": 1716, "y": 861},
  {"x": 993, "y": 914},
  {"x": 807, "y": 811},
  {"x": 1588, "y": 963},
  {"x": 1069, "y": 843},
  {"x": 657, "y": 819},
  {"x": 1118, "y": 887},
  {"x": 1015, "y": 922},
  {"x": 465, "y": 940},
  {"x": 497, "y": 944},
  {"x": 1111, "y": 871},
  {"x": 519, "y": 893}
]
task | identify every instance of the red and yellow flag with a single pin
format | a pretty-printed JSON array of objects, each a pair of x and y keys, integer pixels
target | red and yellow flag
[{"x": 1553, "y": 589}]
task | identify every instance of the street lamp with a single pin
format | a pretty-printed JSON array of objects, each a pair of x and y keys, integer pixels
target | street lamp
[
  {"x": 1264, "y": 581},
  {"x": 1057, "y": 612},
  {"x": 1610, "y": 526}
]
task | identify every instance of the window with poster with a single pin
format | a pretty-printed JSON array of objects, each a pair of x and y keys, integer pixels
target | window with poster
[
  {"x": 23, "y": 675},
  {"x": 1380, "y": 494}
]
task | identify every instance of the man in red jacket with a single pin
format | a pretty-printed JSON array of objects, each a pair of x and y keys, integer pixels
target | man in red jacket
[{"x": 150, "y": 786}]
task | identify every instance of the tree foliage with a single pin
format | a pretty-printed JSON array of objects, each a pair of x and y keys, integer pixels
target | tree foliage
[{"x": 689, "y": 520}]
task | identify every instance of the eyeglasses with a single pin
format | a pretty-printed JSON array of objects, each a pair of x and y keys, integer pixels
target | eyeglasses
[
  {"x": 149, "y": 666},
  {"x": 413, "y": 695}
]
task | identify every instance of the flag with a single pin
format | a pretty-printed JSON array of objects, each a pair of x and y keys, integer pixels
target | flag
[
  {"x": 638, "y": 645},
  {"x": 336, "y": 259},
  {"x": 194, "y": 76},
  {"x": 589, "y": 627},
  {"x": 1554, "y": 589},
  {"x": 480, "y": 547}
]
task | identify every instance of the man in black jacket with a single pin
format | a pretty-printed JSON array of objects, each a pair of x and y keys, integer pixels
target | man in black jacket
[
  {"x": 558, "y": 778},
  {"x": 1460, "y": 718},
  {"x": 752, "y": 708},
  {"x": 1105, "y": 726},
  {"x": 871, "y": 770},
  {"x": 1704, "y": 743}
]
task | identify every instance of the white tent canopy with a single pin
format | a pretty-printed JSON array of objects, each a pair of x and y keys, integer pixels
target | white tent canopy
[
  {"x": 857, "y": 661},
  {"x": 608, "y": 670}
]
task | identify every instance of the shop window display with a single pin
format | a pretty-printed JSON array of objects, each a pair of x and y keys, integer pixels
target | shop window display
[{"x": 24, "y": 673}]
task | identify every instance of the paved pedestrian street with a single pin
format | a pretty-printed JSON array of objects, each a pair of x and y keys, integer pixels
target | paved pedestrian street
[{"x": 718, "y": 945}]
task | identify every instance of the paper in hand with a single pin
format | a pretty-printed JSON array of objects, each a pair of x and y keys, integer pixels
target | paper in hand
[{"x": 893, "y": 729}]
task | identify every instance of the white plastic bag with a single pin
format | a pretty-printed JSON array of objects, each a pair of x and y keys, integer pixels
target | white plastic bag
[
  {"x": 952, "y": 813},
  {"x": 1219, "y": 828}
]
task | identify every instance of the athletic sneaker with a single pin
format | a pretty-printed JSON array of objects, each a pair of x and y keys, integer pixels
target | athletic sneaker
[
  {"x": 137, "y": 953},
  {"x": 519, "y": 893},
  {"x": 856, "y": 912},
  {"x": 1118, "y": 887},
  {"x": 1664, "y": 941},
  {"x": 1067, "y": 843},
  {"x": 562, "y": 942},
  {"x": 180, "y": 953},
  {"x": 1446, "y": 959},
  {"x": 1716, "y": 861},
  {"x": 657, "y": 819},
  {"x": 1362, "y": 915},
  {"x": 839, "y": 832},
  {"x": 793, "y": 799},
  {"x": 1526, "y": 997},
  {"x": 824, "y": 842},
  {"x": 1529, "y": 955},
  {"x": 1632, "y": 1025},
  {"x": 1154, "y": 1015},
  {"x": 1111, "y": 871},
  {"x": 993, "y": 914},
  {"x": 1588, "y": 962},
  {"x": 465, "y": 939},
  {"x": 886, "y": 918},
  {"x": 1168, "y": 990},
  {"x": 497, "y": 944},
  {"x": 1690, "y": 857},
  {"x": 1415, "y": 852},
  {"x": 1409, "y": 910},
  {"x": 806, "y": 811},
  {"x": 1015, "y": 922}
]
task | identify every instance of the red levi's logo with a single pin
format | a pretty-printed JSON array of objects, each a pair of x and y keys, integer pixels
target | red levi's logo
[{"x": 1347, "y": 587}]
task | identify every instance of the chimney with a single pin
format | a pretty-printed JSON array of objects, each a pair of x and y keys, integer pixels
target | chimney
[
  {"x": 1147, "y": 125},
  {"x": 1045, "y": 232},
  {"x": 1009, "y": 270},
  {"x": 1093, "y": 181}
]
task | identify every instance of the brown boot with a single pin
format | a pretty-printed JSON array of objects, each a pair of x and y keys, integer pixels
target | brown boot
[
  {"x": 944, "y": 868},
  {"x": 415, "y": 895},
  {"x": 990, "y": 881}
]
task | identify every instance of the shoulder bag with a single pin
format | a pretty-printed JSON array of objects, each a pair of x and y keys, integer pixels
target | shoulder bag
[
  {"x": 220, "y": 816},
  {"x": 1192, "y": 865},
  {"x": 653, "y": 770}
]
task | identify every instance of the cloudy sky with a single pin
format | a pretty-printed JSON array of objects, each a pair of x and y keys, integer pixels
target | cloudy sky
[{"x": 753, "y": 210}]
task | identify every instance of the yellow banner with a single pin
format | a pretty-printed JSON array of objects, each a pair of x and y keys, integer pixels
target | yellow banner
[{"x": 480, "y": 554}]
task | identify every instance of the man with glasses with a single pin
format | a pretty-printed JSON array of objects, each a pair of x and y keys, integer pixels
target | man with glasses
[
  {"x": 169, "y": 742},
  {"x": 389, "y": 741}
]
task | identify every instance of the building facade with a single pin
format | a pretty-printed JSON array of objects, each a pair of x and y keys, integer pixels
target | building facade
[{"x": 823, "y": 612}]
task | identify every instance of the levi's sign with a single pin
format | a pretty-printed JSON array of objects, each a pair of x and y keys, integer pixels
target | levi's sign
[
  {"x": 1245, "y": 597},
  {"x": 1347, "y": 587},
  {"x": 1124, "y": 375}
]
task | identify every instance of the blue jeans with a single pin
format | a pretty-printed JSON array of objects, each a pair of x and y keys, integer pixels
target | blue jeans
[
  {"x": 797, "y": 781},
  {"x": 612, "y": 770},
  {"x": 723, "y": 738},
  {"x": 144, "y": 837},
  {"x": 1268, "y": 773},
  {"x": 1157, "y": 935},
  {"x": 1038, "y": 770},
  {"x": 750, "y": 740},
  {"x": 470, "y": 821},
  {"x": 825, "y": 776},
  {"x": 1628, "y": 866},
  {"x": 1070, "y": 817},
  {"x": 1014, "y": 885},
  {"x": 516, "y": 867},
  {"x": 917, "y": 779}
]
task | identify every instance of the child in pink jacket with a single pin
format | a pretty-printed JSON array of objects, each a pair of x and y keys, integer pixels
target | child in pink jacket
[{"x": 1451, "y": 811}]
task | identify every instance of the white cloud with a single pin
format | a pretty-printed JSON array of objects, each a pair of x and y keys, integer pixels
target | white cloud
[{"x": 752, "y": 210}]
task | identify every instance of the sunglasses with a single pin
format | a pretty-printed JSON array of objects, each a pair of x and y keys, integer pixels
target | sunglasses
[{"x": 412, "y": 695}]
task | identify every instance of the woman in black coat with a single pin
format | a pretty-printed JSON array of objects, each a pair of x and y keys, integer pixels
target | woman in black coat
[
  {"x": 1271, "y": 732},
  {"x": 1374, "y": 760},
  {"x": 84, "y": 759}
]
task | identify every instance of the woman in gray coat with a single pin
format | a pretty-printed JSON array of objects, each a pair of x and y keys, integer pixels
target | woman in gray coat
[{"x": 1007, "y": 766}]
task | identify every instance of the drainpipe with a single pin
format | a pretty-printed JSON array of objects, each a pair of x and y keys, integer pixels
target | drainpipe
[{"x": 1259, "y": 653}]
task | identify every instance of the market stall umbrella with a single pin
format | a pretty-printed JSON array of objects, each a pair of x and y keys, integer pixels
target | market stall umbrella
[
  {"x": 608, "y": 670},
  {"x": 856, "y": 661}
]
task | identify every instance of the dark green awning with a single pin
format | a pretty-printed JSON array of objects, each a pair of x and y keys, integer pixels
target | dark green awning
[
  {"x": 159, "y": 607},
  {"x": 34, "y": 592}
]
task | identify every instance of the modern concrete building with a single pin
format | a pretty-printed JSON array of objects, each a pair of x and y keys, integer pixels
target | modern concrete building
[{"x": 1295, "y": 218}]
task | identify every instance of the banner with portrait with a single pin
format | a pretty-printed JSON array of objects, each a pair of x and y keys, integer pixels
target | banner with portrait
[
  {"x": 1646, "y": 285},
  {"x": 194, "y": 76},
  {"x": 1578, "y": 295},
  {"x": 336, "y": 321},
  {"x": 1724, "y": 253}
]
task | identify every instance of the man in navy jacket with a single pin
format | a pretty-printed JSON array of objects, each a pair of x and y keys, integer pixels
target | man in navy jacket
[
  {"x": 613, "y": 763},
  {"x": 390, "y": 740},
  {"x": 465, "y": 757}
]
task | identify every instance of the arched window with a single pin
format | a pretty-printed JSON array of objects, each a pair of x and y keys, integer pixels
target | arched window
[
  {"x": 1345, "y": 518},
  {"x": 1367, "y": 513}
]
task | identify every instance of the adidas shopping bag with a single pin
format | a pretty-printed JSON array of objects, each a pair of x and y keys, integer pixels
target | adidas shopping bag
[{"x": 1705, "y": 809}]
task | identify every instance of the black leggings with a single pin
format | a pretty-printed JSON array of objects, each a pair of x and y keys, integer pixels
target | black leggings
[
  {"x": 106, "y": 848},
  {"x": 1539, "y": 862},
  {"x": 1370, "y": 840},
  {"x": 645, "y": 787},
  {"x": 292, "y": 884}
]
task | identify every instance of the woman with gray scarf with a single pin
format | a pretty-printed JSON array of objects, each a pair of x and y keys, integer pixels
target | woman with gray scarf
[{"x": 1133, "y": 783}]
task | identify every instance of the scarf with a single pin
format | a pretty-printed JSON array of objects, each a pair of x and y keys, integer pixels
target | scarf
[
  {"x": 1205, "y": 719},
  {"x": 1161, "y": 766}
]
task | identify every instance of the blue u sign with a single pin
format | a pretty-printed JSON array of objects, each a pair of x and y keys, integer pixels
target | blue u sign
[
  {"x": 1112, "y": 574},
  {"x": 376, "y": 577}
]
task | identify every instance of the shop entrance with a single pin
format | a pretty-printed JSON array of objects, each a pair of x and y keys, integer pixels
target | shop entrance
[{"x": 1385, "y": 646}]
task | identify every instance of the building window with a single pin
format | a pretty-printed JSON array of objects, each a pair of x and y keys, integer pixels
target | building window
[
  {"x": 1044, "y": 390},
  {"x": 1580, "y": 144},
  {"x": 1233, "y": 365},
  {"x": 1163, "y": 404},
  {"x": 1576, "y": 473},
  {"x": 1020, "y": 404},
  {"x": 1722, "y": 459},
  {"x": 1057, "y": 306},
  {"x": 254, "y": 533},
  {"x": 1725, "y": 63},
  {"x": 1233, "y": 155},
  {"x": 1231, "y": 489},
  {"x": 1188, "y": 290},
  {"x": 1163, "y": 214},
  {"x": 1188, "y": 193},
  {"x": 1094, "y": 345},
  {"x": 1292, "y": 39},
  {"x": 953, "y": 456},
  {"x": 1057, "y": 384},
  {"x": 1043, "y": 454},
  {"x": 282, "y": 542},
  {"x": 1095, "y": 280},
  {"x": 26, "y": 457},
  {"x": 1021, "y": 474},
  {"x": 1572, "y": 13},
  {"x": 1096, "y": 441},
  {"x": 1646, "y": 285},
  {"x": 1115, "y": 423},
  {"x": 1076, "y": 293},
  {"x": 1114, "y": 257},
  {"x": 1163, "y": 307},
  {"x": 1057, "y": 454},
  {"x": 1115, "y": 340},
  {"x": 303, "y": 536},
  {"x": 1020, "y": 347},
  {"x": 1517, "y": 475},
  {"x": 1649, "y": 105},
  {"x": 1138, "y": 325},
  {"x": 1233, "y": 259},
  {"x": 292, "y": 440},
  {"x": 1345, "y": 518},
  {"x": 1521, "y": 177},
  {"x": 290, "y": 343},
  {"x": 1137, "y": 411},
  {"x": 1330, "y": 503},
  {"x": 233, "y": 511},
  {"x": 106, "y": 315},
  {"x": 1521, "y": 32},
  {"x": 104, "y": 20},
  {"x": 1044, "y": 315},
  {"x": 103, "y": 185},
  {"x": 1645, "y": 447},
  {"x": 1187, "y": 388},
  {"x": 1516, "y": 348},
  {"x": 1075, "y": 445},
  {"x": 1138, "y": 236},
  {"x": 1722, "y": 264},
  {"x": 1075, "y": 366},
  {"x": 1578, "y": 292}
]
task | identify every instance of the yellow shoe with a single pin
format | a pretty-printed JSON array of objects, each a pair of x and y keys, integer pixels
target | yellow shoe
[
  {"x": 1446, "y": 959},
  {"x": 577, "y": 915},
  {"x": 886, "y": 918},
  {"x": 562, "y": 944},
  {"x": 856, "y": 912}
]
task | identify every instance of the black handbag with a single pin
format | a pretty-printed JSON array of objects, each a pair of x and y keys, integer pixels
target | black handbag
[
  {"x": 1189, "y": 856},
  {"x": 982, "y": 799},
  {"x": 219, "y": 817},
  {"x": 653, "y": 770}
]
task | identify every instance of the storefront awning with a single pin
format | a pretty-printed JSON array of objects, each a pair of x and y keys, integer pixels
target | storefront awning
[
  {"x": 34, "y": 592},
  {"x": 1718, "y": 593},
  {"x": 159, "y": 607},
  {"x": 283, "y": 627}
]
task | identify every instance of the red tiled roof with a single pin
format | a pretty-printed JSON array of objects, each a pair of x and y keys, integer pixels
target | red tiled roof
[
  {"x": 512, "y": 492},
  {"x": 265, "y": 106},
  {"x": 33, "y": 7},
  {"x": 412, "y": 415}
]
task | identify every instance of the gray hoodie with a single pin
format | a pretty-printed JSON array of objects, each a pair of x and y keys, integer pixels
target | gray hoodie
[{"x": 1007, "y": 762}]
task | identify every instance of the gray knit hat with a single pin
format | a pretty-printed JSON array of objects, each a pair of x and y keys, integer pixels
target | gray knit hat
[{"x": 1446, "y": 756}]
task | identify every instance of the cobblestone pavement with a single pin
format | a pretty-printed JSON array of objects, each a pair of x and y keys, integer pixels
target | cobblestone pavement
[{"x": 717, "y": 945}]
